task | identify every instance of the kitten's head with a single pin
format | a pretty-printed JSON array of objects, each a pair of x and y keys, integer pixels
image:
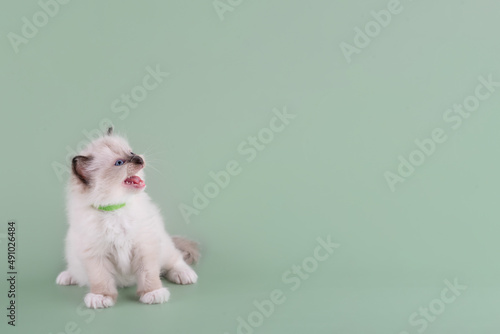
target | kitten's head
[{"x": 108, "y": 171}]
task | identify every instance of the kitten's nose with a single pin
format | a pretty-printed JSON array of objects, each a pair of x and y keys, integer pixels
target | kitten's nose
[{"x": 137, "y": 160}]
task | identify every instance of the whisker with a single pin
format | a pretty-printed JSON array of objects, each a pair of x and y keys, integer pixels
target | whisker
[
  {"x": 156, "y": 152},
  {"x": 155, "y": 170}
]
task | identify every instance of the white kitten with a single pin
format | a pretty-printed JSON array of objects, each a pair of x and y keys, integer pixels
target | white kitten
[{"x": 116, "y": 235}]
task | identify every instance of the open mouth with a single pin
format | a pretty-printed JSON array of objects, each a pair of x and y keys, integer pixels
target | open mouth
[{"x": 134, "y": 181}]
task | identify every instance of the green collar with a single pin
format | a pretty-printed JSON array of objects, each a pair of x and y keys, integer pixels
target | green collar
[{"x": 111, "y": 207}]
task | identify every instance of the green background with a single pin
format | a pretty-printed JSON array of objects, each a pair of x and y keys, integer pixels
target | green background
[{"x": 323, "y": 175}]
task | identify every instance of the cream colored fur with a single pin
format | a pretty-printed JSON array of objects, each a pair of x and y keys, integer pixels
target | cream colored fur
[{"x": 110, "y": 249}]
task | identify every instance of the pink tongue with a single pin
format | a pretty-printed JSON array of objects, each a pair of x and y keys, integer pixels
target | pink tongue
[{"x": 135, "y": 179}]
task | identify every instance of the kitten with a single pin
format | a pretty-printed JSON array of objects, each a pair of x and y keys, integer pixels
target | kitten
[{"x": 116, "y": 236}]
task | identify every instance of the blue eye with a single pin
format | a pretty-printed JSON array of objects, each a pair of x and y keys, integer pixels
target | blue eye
[{"x": 119, "y": 162}]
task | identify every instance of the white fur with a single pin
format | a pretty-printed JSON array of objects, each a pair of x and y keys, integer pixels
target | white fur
[
  {"x": 65, "y": 278},
  {"x": 158, "y": 296},
  {"x": 182, "y": 274},
  {"x": 115, "y": 236},
  {"x": 93, "y": 300}
]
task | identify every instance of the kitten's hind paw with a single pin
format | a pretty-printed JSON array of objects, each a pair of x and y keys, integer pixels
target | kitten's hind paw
[{"x": 182, "y": 275}]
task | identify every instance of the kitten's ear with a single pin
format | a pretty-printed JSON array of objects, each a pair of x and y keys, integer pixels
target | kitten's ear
[
  {"x": 110, "y": 131},
  {"x": 80, "y": 166}
]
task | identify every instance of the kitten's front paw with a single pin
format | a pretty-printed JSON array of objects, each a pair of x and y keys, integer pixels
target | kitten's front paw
[
  {"x": 65, "y": 278},
  {"x": 158, "y": 296},
  {"x": 183, "y": 275},
  {"x": 93, "y": 300}
]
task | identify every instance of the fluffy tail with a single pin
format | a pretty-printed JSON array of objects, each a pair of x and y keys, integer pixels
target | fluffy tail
[{"x": 190, "y": 249}]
